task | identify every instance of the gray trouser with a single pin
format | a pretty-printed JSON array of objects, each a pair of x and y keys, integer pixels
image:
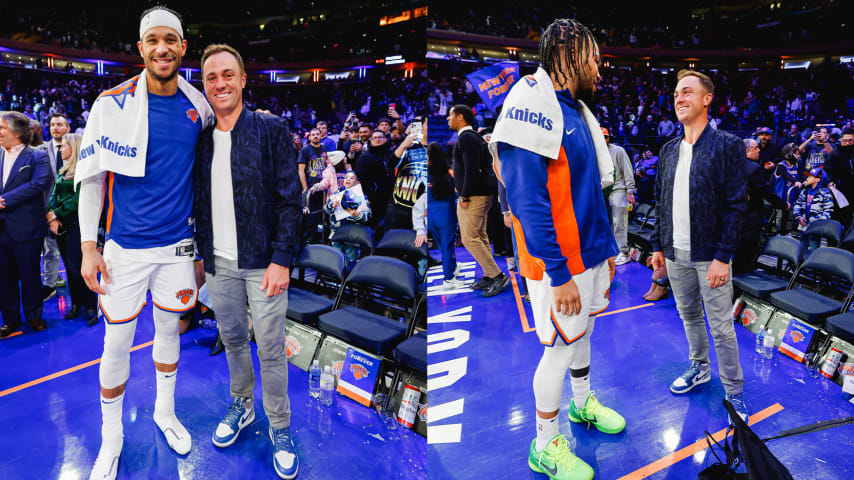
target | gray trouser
[
  {"x": 620, "y": 218},
  {"x": 230, "y": 288},
  {"x": 691, "y": 291},
  {"x": 50, "y": 254}
]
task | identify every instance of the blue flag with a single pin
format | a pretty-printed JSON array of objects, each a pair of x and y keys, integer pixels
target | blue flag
[{"x": 493, "y": 82}]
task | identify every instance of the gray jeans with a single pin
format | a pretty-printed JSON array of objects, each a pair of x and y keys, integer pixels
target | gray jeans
[
  {"x": 619, "y": 218},
  {"x": 230, "y": 289},
  {"x": 50, "y": 255},
  {"x": 691, "y": 291}
]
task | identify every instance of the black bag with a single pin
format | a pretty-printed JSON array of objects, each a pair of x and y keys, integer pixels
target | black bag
[{"x": 748, "y": 449}]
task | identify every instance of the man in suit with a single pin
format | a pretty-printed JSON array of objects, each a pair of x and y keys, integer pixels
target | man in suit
[
  {"x": 24, "y": 177},
  {"x": 58, "y": 128}
]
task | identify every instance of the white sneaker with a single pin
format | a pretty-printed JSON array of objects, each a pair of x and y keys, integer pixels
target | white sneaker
[
  {"x": 107, "y": 464},
  {"x": 176, "y": 435},
  {"x": 622, "y": 259},
  {"x": 453, "y": 284}
]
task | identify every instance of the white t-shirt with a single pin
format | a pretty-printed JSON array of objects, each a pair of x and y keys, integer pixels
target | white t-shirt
[
  {"x": 222, "y": 198},
  {"x": 681, "y": 198}
]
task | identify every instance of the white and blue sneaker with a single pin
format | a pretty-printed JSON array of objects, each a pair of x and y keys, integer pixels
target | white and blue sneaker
[
  {"x": 285, "y": 458},
  {"x": 738, "y": 405},
  {"x": 235, "y": 420},
  {"x": 695, "y": 375}
]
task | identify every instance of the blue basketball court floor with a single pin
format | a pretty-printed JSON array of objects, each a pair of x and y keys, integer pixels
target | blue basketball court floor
[
  {"x": 483, "y": 352},
  {"x": 51, "y": 420}
]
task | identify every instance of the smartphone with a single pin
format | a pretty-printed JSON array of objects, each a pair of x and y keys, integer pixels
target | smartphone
[{"x": 392, "y": 106}]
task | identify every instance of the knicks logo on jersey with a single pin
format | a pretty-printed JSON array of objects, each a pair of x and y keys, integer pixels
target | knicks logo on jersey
[
  {"x": 359, "y": 372},
  {"x": 193, "y": 115},
  {"x": 184, "y": 295}
]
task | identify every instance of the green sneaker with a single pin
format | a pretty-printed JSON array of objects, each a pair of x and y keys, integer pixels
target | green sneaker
[
  {"x": 594, "y": 413},
  {"x": 558, "y": 462}
]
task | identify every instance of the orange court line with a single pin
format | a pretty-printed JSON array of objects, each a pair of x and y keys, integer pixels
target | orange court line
[
  {"x": 526, "y": 327},
  {"x": 61, "y": 373},
  {"x": 643, "y": 305},
  {"x": 697, "y": 446},
  {"x": 13, "y": 334}
]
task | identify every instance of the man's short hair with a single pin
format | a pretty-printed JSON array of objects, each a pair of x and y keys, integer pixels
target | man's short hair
[
  {"x": 749, "y": 143},
  {"x": 19, "y": 125},
  {"x": 465, "y": 111},
  {"x": 848, "y": 131},
  {"x": 322, "y": 122},
  {"x": 704, "y": 79},
  {"x": 59, "y": 115},
  {"x": 313, "y": 129},
  {"x": 219, "y": 48}
]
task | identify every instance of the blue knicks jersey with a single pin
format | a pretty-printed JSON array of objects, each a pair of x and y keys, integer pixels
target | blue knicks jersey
[{"x": 156, "y": 210}]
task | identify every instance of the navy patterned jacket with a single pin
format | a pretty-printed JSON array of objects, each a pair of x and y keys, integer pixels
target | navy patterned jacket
[
  {"x": 718, "y": 196},
  {"x": 266, "y": 192}
]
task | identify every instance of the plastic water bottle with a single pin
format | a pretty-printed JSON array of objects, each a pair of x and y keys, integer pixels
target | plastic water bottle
[
  {"x": 768, "y": 343},
  {"x": 760, "y": 341},
  {"x": 314, "y": 379},
  {"x": 327, "y": 384}
]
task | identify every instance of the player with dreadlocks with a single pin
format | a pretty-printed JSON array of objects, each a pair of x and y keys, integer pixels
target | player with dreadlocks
[{"x": 550, "y": 153}]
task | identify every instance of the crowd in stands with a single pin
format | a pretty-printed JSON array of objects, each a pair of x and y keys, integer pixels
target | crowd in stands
[
  {"x": 288, "y": 34},
  {"x": 679, "y": 25},
  {"x": 637, "y": 107}
]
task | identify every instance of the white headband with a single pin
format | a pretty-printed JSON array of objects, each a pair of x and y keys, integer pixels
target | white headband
[{"x": 160, "y": 18}]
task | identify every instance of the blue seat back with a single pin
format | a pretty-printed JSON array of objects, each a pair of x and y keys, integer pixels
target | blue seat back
[
  {"x": 323, "y": 259},
  {"x": 355, "y": 234},
  {"x": 399, "y": 241},
  {"x": 832, "y": 260},
  {"x": 829, "y": 229},
  {"x": 640, "y": 213},
  {"x": 784, "y": 247},
  {"x": 848, "y": 241},
  {"x": 388, "y": 273}
]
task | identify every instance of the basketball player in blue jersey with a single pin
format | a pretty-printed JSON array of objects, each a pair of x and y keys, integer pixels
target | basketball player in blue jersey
[
  {"x": 566, "y": 245},
  {"x": 149, "y": 229}
]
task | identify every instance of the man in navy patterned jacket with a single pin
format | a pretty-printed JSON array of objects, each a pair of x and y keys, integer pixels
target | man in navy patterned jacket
[
  {"x": 247, "y": 230},
  {"x": 701, "y": 201}
]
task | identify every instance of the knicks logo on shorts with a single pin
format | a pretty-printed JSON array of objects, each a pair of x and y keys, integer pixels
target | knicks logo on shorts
[
  {"x": 184, "y": 295},
  {"x": 358, "y": 371},
  {"x": 193, "y": 115}
]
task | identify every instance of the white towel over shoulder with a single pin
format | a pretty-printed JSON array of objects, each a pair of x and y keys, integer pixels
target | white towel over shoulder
[
  {"x": 116, "y": 134},
  {"x": 536, "y": 94}
]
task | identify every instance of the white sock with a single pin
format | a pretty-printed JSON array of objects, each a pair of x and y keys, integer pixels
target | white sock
[
  {"x": 580, "y": 389},
  {"x": 176, "y": 435},
  {"x": 111, "y": 418},
  {"x": 546, "y": 430},
  {"x": 165, "y": 401},
  {"x": 107, "y": 463}
]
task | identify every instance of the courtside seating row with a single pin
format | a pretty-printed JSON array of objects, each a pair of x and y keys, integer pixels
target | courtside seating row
[
  {"x": 375, "y": 279},
  {"x": 784, "y": 286}
]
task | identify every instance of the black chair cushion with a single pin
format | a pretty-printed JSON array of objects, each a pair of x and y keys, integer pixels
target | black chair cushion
[
  {"x": 389, "y": 273},
  {"x": 355, "y": 234},
  {"x": 305, "y": 307},
  {"x": 398, "y": 241},
  {"x": 841, "y": 325},
  {"x": 324, "y": 259},
  {"x": 412, "y": 352},
  {"x": 759, "y": 284},
  {"x": 806, "y": 304},
  {"x": 374, "y": 333}
]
